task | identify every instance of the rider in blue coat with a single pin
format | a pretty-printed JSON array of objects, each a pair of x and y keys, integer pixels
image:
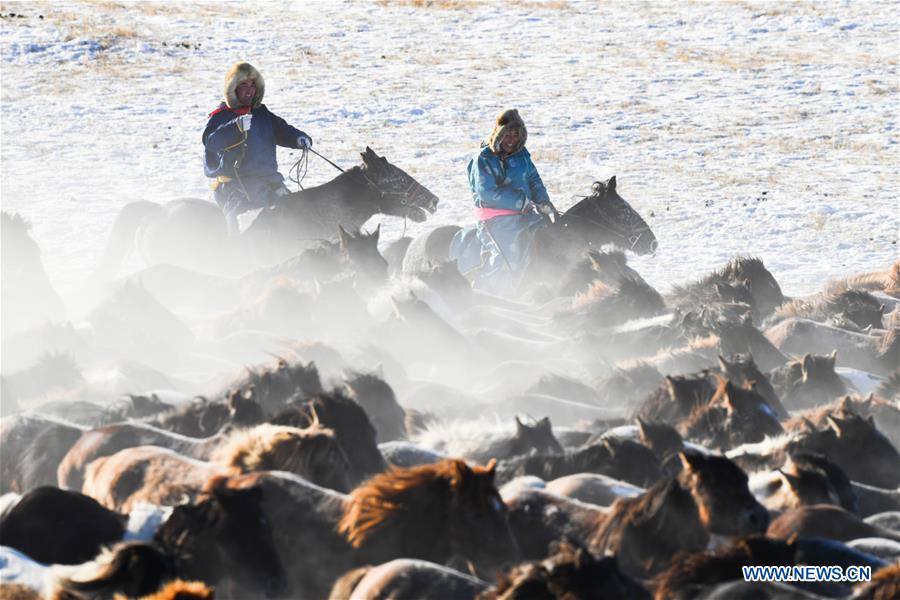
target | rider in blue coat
[
  {"x": 240, "y": 139},
  {"x": 510, "y": 204}
]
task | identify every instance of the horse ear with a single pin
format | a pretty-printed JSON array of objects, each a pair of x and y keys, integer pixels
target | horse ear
[
  {"x": 545, "y": 423},
  {"x": 871, "y": 421},
  {"x": 846, "y": 404},
  {"x": 670, "y": 386},
  {"x": 836, "y": 424},
  {"x": 376, "y": 234},
  {"x": 611, "y": 185},
  {"x": 491, "y": 467},
  {"x": 642, "y": 428},
  {"x": 805, "y": 365},
  {"x": 723, "y": 363},
  {"x": 833, "y": 358},
  {"x": 344, "y": 237},
  {"x": 691, "y": 461},
  {"x": 519, "y": 425},
  {"x": 792, "y": 481}
]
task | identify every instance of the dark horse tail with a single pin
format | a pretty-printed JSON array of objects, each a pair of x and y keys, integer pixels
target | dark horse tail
[
  {"x": 122, "y": 239},
  {"x": 132, "y": 568}
]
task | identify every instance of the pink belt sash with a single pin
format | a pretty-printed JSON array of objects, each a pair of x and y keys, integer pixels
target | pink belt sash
[{"x": 483, "y": 214}]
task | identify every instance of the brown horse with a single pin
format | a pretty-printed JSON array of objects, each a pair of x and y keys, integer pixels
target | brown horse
[
  {"x": 733, "y": 416},
  {"x": 162, "y": 476},
  {"x": 709, "y": 496},
  {"x": 431, "y": 512},
  {"x": 764, "y": 290},
  {"x": 571, "y": 573},
  {"x": 690, "y": 574},
  {"x": 33, "y": 445},
  {"x": 850, "y": 441},
  {"x": 828, "y": 521},
  {"x": 808, "y": 381}
]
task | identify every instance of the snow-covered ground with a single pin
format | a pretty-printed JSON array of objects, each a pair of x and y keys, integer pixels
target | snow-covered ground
[{"x": 765, "y": 128}]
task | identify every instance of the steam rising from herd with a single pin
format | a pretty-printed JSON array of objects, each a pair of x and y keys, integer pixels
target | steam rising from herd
[{"x": 308, "y": 410}]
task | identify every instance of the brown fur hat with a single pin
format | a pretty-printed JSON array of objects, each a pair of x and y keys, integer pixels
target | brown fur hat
[
  {"x": 507, "y": 120},
  {"x": 237, "y": 74}
]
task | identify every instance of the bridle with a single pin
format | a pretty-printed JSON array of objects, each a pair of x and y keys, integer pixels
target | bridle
[{"x": 631, "y": 237}]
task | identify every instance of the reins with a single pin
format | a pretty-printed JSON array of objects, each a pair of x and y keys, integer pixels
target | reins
[
  {"x": 632, "y": 237},
  {"x": 301, "y": 166}
]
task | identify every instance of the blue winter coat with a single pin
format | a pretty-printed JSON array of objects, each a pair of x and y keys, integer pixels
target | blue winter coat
[
  {"x": 508, "y": 183},
  {"x": 252, "y": 184}
]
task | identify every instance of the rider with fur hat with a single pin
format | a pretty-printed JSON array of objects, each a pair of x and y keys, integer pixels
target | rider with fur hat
[
  {"x": 240, "y": 139},
  {"x": 510, "y": 199}
]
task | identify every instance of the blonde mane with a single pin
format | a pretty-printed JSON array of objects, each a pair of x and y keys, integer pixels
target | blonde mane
[{"x": 274, "y": 447}]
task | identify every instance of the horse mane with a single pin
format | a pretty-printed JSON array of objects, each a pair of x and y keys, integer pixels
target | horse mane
[
  {"x": 381, "y": 501},
  {"x": 637, "y": 511},
  {"x": 272, "y": 447},
  {"x": 707, "y": 568}
]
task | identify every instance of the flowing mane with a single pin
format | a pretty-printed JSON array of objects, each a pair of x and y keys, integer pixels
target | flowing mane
[{"x": 383, "y": 500}]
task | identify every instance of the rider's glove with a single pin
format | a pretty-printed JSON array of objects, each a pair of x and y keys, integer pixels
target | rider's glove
[
  {"x": 546, "y": 208},
  {"x": 304, "y": 141},
  {"x": 243, "y": 122}
]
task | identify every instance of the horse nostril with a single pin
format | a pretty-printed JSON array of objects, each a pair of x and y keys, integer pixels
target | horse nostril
[{"x": 653, "y": 246}]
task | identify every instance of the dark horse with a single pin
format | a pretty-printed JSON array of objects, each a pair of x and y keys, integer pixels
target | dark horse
[
  {"x": 192, "y": 233},
  {"x": 601, "y": 218}
]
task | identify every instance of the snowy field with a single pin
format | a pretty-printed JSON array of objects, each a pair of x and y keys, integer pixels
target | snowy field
[{"x": 765, "y": 128}]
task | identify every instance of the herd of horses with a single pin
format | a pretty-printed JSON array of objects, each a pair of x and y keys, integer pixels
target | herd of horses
[{"x": 305, "y": 411}]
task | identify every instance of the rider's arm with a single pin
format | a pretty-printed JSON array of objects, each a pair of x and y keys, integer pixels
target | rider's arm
[
  {"x": 491, "y": 194},
  {"x": 285, "y": 134},
  {"x": 220, "y": 136},
  {"x": 539, "y": 193}
]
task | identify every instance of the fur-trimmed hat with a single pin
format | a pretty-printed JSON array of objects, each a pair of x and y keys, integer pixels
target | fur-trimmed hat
[
  {"x": 507, "y": 120},
  {"x": 237, "y": 74}
]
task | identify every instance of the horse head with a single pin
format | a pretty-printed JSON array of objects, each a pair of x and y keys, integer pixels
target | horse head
[
  {"x": 399, "y": 194},
  {"x": 537, "y": 438},
  {"x": 226, "y": 534},
  {"x": 719, "y": 488},
  {"x": 606, "y": 212}
]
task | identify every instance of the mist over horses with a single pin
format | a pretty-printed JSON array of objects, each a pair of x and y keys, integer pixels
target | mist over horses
[{"x": 555, "y": 299}]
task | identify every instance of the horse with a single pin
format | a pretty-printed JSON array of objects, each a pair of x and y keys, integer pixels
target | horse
[
  {"x": 377, "y": 398},
  {"x": 809, "y": 381},
  {"x": 850, "y": 441},
  {"x": 853, "y": 309},
  {"x": 733, "y": 416},
  {"x": 406, "y": 578},
  {"x": 804, "y": 480},
  {"x": 28, "y": 298},
  {"x": 162, "y": 476},
  {"x": 765, "y": 292},
  {"x": 603, "y": 305},
  {"x": 620, "y": 459},
  {"x": 646, "y": 531},
  {"x": 33, "y": 446},
  {"x": 601, "y": 218},
  {"x": 877, "y": 353},
  {"x": 225, "y": 534},
  {"x": 480, "y": 442},
  {"x": 828, "y": 521},
  {"x": 431, "y": 512},
  {"x": 570, "y": 572},
  {"x": 690, "y": 574},
  {"x": 193, "y": 233},
  {"x": 109, "y": 439},
  {"x": 352, "y": 428}
]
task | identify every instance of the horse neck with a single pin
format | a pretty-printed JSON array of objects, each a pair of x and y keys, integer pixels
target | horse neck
[
  {"x": 417, "y": 529},
  {"x": 351, "y": 192}
]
